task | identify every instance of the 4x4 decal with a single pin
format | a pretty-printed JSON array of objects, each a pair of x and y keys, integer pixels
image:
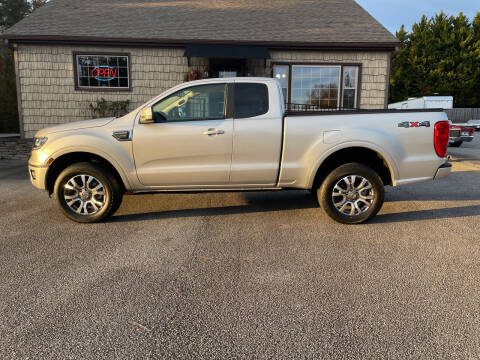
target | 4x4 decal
[{"x": 414, "y": 124}]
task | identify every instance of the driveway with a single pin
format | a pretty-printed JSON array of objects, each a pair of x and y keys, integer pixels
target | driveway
[{"x": 233, "y": 275}]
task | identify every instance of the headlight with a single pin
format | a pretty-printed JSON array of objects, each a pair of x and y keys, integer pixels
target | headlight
[{"x": 39, "y": 142}]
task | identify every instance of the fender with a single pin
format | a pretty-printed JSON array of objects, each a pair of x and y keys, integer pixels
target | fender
[
  {"x": 122, "y": 169},
  {"x": 364, "y": 144}
]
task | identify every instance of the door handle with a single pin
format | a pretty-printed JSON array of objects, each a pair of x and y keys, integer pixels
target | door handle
[{"x": 213, "y": 131}]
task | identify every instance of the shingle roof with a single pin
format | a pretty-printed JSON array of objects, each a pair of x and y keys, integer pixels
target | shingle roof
[{"x": 250, "y": 21}]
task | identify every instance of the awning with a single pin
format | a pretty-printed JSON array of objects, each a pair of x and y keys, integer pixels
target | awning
[{"x": 227, "y": 51}]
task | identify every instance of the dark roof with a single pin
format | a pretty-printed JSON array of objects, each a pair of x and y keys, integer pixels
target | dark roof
[{"x": 282, "y": 22}]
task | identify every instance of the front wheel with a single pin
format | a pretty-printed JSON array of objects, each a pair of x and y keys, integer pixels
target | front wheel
[
  {"x": 351, "y": 194},
  {"x": 87, "y": 193}
]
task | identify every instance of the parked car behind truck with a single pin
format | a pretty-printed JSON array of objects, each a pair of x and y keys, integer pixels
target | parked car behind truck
[
  {"x": 235, "y": 134},
  {"x": 474, "y": 123},
  {"x": 460, "y": 133}
]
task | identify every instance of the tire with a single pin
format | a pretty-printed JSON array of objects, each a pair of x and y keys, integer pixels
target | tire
[
  {"x": 368, "y": 201},
  {"x": 87, "y": 193},
  {"x": 456, "y": 144}
]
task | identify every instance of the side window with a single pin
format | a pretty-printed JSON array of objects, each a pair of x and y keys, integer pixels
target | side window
[
  {"x": 203, "y": 102},
  {"x": 251, "y": 99}
]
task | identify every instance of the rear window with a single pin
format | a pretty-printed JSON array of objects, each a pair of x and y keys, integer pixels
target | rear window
[{"x": 251, "y": 99}]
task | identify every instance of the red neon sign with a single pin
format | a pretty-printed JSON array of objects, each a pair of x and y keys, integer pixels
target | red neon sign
[{"x": 104, "y": 73}]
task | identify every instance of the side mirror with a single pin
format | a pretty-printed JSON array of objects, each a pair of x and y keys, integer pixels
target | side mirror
[{"x": 146, "y": 116}]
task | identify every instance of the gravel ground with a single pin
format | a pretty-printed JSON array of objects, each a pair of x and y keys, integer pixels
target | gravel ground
[{"x": 243, "y": 275}]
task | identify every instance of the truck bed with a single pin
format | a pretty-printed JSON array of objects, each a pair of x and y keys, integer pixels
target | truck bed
[{"x": 402, "y": 138}]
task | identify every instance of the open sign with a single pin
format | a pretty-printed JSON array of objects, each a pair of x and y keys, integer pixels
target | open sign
[{"x": 104, "y": 73}]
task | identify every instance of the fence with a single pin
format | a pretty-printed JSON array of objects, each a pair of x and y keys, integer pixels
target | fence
[
  {"x": 313, "y": 107},
  {"x": 462, "y": 115}
]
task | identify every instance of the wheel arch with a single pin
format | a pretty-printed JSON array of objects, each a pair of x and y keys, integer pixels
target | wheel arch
[
  {"x": 359, "y": 154},
  {"x": 63, "y": 161}
]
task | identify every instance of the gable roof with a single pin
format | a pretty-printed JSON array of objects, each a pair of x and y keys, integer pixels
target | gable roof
[{"x": 315, "y": 23}]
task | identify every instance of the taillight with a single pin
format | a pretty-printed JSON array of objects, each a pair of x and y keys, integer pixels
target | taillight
[
  {"x": 471, "y": 131},
  {"x": 440, "y": 138}
]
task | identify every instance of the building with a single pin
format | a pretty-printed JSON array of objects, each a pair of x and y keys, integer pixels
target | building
[{"x": 70, "y": 53}]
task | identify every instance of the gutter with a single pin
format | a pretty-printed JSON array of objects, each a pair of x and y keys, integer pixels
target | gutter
[{"x": 145, "y": 42}]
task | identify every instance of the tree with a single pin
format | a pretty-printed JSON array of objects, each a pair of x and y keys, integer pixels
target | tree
[
  {"x": 8, "y": 94},
  {"x": 11, "y": 11},
  {"x": 440, "y": 55}
]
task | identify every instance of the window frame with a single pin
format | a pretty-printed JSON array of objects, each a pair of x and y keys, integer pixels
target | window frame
[
  {"x": 324, "y": 64},
  {"x": 340, "y": 77},
  {"x": 357, "y": 90},
  {"x": 226, "y": 102},
  {"x": 101, "y": 88}
]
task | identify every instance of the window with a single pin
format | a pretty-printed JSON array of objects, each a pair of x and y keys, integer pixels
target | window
[
  {"x": 280, "y": 72},
  {"x": 251, "y": 99},
  {"x": 322, "y": 86},
  {"x": 203, "y": 102},
  {"x": 102, "y": 72},
  {"x": 350, "y": 79},
  {"x": 316, "y": 85}
]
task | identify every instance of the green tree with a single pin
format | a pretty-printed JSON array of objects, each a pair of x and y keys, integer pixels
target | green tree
[
  {"x": 440, "y": 55},
  {"x": 8, "y": 93},
  {"x": 11, "y": 11}
]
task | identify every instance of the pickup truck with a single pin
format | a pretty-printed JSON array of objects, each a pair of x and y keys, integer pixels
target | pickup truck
[
  {"x": 460, "y": 133},
  {"x": 236, "y": 134}
]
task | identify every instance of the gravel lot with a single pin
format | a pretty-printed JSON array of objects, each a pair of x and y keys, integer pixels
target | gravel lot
[{"x": 254, "y": 275}]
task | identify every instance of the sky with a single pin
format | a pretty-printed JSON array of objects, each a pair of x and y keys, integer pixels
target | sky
[{"x": 393, "y": 13}]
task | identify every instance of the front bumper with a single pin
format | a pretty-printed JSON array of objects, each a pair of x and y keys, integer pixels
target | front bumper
[
  {"x": 37, "y": 175},
  {"x": 461, "y": 138},
  {"x": 443, "y": 171}
]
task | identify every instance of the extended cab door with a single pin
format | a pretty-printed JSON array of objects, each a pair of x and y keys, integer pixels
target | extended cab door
[
  {"x": 258, "y": 122},
  {"x": 190, "y": 143}
]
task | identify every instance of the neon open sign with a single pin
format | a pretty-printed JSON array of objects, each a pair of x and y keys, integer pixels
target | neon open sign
[{"x": 104, "y": 73}]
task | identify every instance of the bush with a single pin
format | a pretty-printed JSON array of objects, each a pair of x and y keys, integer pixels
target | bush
[
  {"x": 106, "y": 108},
  {"x": 8, "y": 93}
]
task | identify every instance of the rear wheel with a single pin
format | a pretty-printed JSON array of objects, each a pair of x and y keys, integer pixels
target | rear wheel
[
  {"x": 87, "y": 193},
  {"x": 351, "y": 194}
]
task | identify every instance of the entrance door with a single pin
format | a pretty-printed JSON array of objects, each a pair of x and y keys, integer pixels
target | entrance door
[
  {"x": 222, "y": 68},
  {"x": 190, "y": 143}
]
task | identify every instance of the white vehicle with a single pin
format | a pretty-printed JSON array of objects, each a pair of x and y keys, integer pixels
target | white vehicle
[
  {"x": 474, "y": 123},
  {"x": 235, "y": 134},
  {"x": 426, "y": 102}
]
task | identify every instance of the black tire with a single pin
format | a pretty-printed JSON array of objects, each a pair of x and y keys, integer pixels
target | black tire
[
  {"x": 111, "y": 198},
  {"x": 325, "y": 194},
  {"x": 456, "y": 144}
]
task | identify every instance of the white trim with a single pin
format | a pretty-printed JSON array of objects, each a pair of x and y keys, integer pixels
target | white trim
[{"x": 356, "y": 85}]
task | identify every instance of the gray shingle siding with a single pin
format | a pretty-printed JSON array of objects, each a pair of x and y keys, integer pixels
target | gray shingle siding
[{"x": 48, "y": 94}]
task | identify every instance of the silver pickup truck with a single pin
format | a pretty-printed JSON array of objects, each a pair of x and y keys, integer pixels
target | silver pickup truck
[{"x": 235, "y": 134}]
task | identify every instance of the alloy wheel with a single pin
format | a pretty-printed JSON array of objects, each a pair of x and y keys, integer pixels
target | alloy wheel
[
  {"x": 84, "y": 194},
  {"x": 353, "y": 195}
]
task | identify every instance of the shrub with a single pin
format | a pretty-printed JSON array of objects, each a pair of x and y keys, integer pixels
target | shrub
[{"x": 106, "y": 108}]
